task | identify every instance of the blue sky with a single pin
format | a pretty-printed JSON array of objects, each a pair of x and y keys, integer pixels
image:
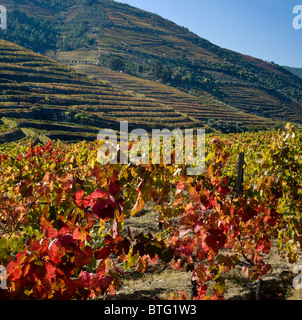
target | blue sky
[{"x": 260, "y": 28}]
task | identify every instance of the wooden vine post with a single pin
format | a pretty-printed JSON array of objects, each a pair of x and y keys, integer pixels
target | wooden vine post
[
  {"x": 239, "y": 193},
  {"x": 240, "y": 171}
]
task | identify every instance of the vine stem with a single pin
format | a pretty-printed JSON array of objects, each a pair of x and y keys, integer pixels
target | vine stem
[
  {"x": 260, "y": 281},
  {"x": 27, "y": 210}
]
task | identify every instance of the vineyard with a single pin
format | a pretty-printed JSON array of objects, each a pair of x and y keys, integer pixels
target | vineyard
[
  {"x": 201, "y": 107},
  {"x": 36, "y": 89},
  {"x": 66, "y": 221},
  {"x": 248, "y": 99}
]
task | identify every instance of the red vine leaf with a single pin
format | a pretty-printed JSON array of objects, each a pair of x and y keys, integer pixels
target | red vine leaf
[{"x": 215, "y": 239}]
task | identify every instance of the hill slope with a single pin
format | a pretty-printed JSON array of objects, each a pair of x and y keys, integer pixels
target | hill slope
[
  {"x": 145, "y": 45},
  {"x": 204, "y": 108},
  {"x": 39, "y": 93},
  {"x": 296, "y": 71}
]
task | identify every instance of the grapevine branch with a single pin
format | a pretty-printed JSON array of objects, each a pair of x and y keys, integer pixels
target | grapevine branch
[{"x": 26, "y": 213}]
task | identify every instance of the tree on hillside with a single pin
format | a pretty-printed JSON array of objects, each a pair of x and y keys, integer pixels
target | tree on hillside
[{"x": 116, "y": 63}]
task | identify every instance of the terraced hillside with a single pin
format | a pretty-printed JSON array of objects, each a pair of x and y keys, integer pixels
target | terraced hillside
[
  {"x": 201, "y": 108},
  {"x": 261, "y": 101},
  {"x": 145, "y": 45},
  {"x": 37, "y": 93}
]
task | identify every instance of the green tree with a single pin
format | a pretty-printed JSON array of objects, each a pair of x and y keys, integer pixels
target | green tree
[{"x": 116, "y": 63}]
